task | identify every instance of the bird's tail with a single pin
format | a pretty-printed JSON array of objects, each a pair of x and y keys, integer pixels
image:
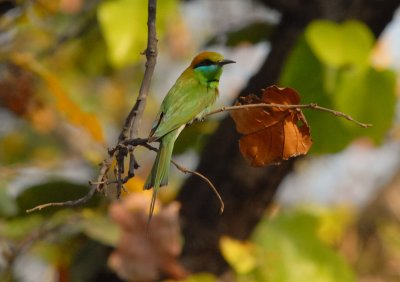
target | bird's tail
[{"x": 159, "y": 173}]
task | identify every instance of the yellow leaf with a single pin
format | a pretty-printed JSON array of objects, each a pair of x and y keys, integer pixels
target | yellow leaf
[
  {"x": 123, "y": 24},
  {"x": 64, "y": 104},
  {"x": 240, "y": 255},
  {"x": 333, "y": 223},
  {"x": 134, "y": 185}
]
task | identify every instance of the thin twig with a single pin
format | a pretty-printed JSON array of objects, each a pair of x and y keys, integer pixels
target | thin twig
[
  {"x": 71, "y": 203},
  {"x": 131, "y": 126},
  {"x": 97, "y": 186},
  {"x": 283, "y": 106},
  {"x": 185, "y": 170},
  {"x": 132, "y": 122}
]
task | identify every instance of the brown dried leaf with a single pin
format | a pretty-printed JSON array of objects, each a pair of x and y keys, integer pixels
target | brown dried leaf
[
  {"x": 142, "y": 255},
  {"x": 272, "y": 134}
]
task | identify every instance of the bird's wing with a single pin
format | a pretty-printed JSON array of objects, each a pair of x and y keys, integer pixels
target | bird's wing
[{"x": 186, "y": 100}]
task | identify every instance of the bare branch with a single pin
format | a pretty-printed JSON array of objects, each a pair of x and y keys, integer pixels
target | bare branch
[
  {"x": 282, "y": 106},
  {"x": 131, "y": 125},
  {"x": 71, "y": 203},
  {"x": 185, "y": 170},
  {"x": 132, "y": 122}
]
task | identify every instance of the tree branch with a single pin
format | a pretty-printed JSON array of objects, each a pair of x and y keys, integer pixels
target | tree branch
[
  {"x": 125, "y": 144},
  {"x": 131, "y": 124},
  {"x": 282, "y": 106},
  {"x": 208, "y": 181}
]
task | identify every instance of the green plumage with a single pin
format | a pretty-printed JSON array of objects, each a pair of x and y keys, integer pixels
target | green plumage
[{"x": 191, "y": 97}]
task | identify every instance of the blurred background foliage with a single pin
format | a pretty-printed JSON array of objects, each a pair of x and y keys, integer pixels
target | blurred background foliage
[{"x": 69, "y": 73}]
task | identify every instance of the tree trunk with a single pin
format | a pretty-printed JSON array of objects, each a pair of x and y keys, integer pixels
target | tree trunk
[{"x": 247, "y": 191}]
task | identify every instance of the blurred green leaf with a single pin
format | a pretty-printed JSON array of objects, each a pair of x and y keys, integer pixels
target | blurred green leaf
[
  {"x": 201, "y": 277},
  {"x": 340, "y": 44},
  {"x": 333, "y": 222},
  {"x": 336, "y": 75},
  {"x": 25, "y": 143},
  {"x": 8, "y": 206},
  {"x": 305, "y": 73},
  {"x": 240, "y": 255},
  {"x": 367, "y": 95},
  {"x": 292, "y": 251},
  {"x": 100, "y": 228},
  {"x": 18, "y": 228},
  {"x": 123, "y": 23}
]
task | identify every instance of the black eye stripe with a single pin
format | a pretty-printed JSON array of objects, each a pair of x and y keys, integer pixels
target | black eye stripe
[{"x": 206, "y": 62}]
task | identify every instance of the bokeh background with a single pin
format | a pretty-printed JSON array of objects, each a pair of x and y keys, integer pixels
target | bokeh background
[{"x": 70, "y": 71}]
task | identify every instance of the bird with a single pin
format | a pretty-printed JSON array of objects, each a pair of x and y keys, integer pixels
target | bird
[{"x": 189, "y": 99}]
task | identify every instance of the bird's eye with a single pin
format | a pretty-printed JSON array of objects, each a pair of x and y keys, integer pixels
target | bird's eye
[{"x": 206, "y": 62}]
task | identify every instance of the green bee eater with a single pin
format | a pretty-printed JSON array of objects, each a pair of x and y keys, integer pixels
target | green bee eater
[{"x": 189, "y": 99}]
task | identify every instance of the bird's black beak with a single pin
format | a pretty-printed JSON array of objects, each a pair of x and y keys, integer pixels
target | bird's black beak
[{"x": 225, "y": 62}]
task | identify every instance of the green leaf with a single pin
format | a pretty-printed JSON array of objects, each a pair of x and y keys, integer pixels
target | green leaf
[
  {"x": 367, "y": 95},
  {"x": 18, "y": 228},
  {"x": 201, "y": 277},
  {"x": 340, "y": 44},
  {"x": 123, "y": 23},
  {"x": 306, "y": 74},
  {"x": 329, "y": 66},
  {"x": 292, "y": 251},
  {"x": 8, "y": 206},
  {"x": 95, "y": 224},
  {"x": 240, "y": 255}
]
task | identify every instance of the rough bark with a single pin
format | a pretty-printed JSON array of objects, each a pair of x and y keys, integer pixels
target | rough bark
[{"x": 246, "y": 191}]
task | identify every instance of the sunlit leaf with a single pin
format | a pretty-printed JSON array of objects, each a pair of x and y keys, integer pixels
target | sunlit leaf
[
  {"x": 292, "y": 251},
  {"x": 123, "y": 23},
  {"x": 240, "y": 255},
  {"x": 350, "y": 89},
  {"x": 333, "y": 223},
  {"x": 368, "y": 95},
  {"x": 272, "y": 134},
  {"x": 340, "y": 44},
  {"x": 134, "y": 185},
  {"x": 199, "y": 277}
]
